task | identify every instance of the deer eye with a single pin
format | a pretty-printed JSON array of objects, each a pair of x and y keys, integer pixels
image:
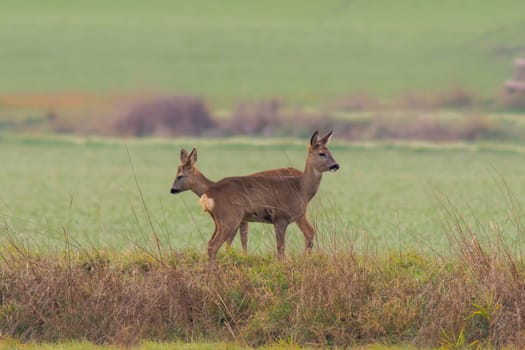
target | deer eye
[
  {"x": 322, "y": 154},
  {"x": 179, "y": 177}
]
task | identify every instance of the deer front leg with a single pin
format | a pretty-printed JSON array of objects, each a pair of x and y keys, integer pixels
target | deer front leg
[
  {"x": 243, "y": 228},
  {"x": 280, "y": 231},
  {"x": 308, "y": 232},
  {"x": 229, "y": 240}
]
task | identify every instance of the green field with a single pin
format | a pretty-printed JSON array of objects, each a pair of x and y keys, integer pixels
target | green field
[
  {"x": 385, "y": 197},
  {"x": 306, "y": 51}
]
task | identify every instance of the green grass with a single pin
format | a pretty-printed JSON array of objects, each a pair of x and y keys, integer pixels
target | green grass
[
  {"x": 303, "y": 50},
  {"x": 386, "y": 196}
]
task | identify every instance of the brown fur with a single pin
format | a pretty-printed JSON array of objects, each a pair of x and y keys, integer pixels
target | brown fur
[
  {"x": 190, "y": 178},
  {"x": 284, "y": 198}
]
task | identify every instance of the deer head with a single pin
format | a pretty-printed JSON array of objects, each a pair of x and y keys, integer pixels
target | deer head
[
  {"x": 184, "y": 180},
  {"x": 319, "y": 157}
]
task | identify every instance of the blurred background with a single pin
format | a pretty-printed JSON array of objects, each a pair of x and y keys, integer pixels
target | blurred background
[{"x": 373, "y": 70}]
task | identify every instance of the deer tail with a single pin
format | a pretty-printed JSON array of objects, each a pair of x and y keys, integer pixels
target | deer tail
[{"x": 206, "y": 203}]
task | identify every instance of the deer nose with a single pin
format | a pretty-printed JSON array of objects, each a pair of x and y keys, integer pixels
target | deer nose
[
  {"x": 174, "y": 191},
  {"x": 334, "y": 167}
]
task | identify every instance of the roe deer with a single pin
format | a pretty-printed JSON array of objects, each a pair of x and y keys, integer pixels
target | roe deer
[
  {"x": 190, "y": 178},
  {"x": 279, "y": 200}
]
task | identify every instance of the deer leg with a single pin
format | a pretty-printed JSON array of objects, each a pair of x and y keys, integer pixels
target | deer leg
[
  {"x": 244, "y": 236},
  {"x": 243, "y": 228},
  {"x": 280, "y": 231},
  {"x": 229, "y": 240},
  {"x": 213, "y": 246},
  {"x": 224, "y": 229},
  {"x": 308, "y": 232}
]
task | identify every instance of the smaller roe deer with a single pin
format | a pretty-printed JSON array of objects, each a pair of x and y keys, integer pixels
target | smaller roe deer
[
  {"x": 190, "y": 178},
  {"x": 279, "y": 200}
]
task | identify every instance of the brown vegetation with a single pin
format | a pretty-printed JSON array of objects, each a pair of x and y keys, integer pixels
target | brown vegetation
[
  {"x": 514, "y": 100},
  {"x": 475, "y": 296},
  {"x": 412, "y": 116},
  {"x": 250, "y": 118},
  {"x": 175, "y": 116}
]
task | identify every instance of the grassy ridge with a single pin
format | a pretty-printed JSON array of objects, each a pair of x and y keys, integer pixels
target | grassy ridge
[
  {"x": 384, "y": 196},
  {"x": 471, "y": 297},
  {"x": 301, "y": 50}
]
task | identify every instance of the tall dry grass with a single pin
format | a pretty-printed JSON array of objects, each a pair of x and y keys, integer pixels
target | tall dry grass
[{"x": 473, "y": 296}]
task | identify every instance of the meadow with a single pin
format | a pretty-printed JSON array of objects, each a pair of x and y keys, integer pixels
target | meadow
[
  {"x": 114, "y": 194},
  {"x": 307, "y": 52}
]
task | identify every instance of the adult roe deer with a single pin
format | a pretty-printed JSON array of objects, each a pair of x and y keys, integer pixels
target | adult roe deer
[
  {"x": 190, "y": 178},
  {"x": 270, "y": 199}
]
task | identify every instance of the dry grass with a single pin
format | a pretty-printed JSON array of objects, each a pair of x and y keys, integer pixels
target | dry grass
[{"x": 473, "y": 297}]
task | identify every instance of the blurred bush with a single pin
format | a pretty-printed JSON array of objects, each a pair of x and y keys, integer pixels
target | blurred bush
[
  {"x": 174, "y": 116},
  {"x": 261, "y": 117}
]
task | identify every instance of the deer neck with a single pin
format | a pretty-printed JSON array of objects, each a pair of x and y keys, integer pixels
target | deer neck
[
  {"x": 201, "y": 185},
  {"x": 311, "y": 180}
]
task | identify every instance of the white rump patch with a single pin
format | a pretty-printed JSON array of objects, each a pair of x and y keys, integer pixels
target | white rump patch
[{"x": 206, "y": 203}]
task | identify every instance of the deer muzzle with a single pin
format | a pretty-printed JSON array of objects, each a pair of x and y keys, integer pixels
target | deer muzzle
[{"x": 334, "y": 167}]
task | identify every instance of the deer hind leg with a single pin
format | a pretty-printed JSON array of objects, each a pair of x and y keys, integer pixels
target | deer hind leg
[
  {"x": 225, "y": 228},
  {"x": 280, "y": 231},
  {"x": 308, "y": 232},
  {"x": 213, "y": 246}
]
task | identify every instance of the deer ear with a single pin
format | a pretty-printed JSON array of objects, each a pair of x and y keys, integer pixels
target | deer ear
[
  {"x": 313, "y": 139},
  {"x": 326, "y": 138},
  {"x": 183, "y": 155},
  {"x": 193, "y": 156}
]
